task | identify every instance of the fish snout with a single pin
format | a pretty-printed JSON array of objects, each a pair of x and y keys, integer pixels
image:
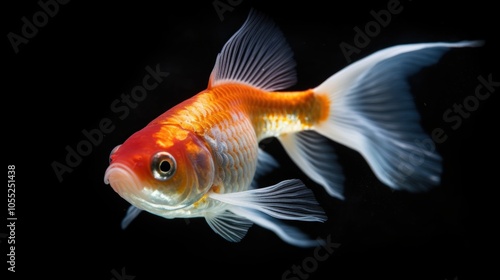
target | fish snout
[{"x": 122, "y": 179}]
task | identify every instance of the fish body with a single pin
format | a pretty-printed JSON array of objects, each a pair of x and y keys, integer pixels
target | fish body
[{"x": 201, "y": 158}]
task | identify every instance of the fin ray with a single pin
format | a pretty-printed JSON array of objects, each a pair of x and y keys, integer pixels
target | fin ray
[
  {"x": 287, "y": 233},
  {"x": 230, "y": 226},
  {"x": 372, "y": 111},
  {"x": 258, "y": 55},
  {"x": 315, "y": 156},
  {"x": 289, "y": 200},
  {"x": 132, "y": 213}
]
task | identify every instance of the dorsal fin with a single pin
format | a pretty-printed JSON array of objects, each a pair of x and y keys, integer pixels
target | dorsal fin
[{"x": 257, "y": 55}]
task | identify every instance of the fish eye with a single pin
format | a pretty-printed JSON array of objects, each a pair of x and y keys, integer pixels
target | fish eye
[
  {"x": 163, "y": 166},
  {"x": 113, "y": 151}
]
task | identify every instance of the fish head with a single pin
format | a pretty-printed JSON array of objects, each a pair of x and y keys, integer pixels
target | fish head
[{"x": 161, "y": 168}]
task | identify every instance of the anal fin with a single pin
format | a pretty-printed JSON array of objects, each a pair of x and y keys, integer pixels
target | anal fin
[{"x": 315, "y": 156}]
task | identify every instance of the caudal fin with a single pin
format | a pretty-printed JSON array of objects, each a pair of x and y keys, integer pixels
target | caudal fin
[{"x": 372, "y": 111}]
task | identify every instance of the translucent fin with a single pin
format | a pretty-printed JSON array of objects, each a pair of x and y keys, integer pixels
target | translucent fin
[
  {"x": 265, "y": 164},
  {"x": 258, "y": 55},
  {"x": 372, "y": 111},
  {"x": 288, "y": 200},
  {"x": 287, "y": 233},
  {"x": 229, "y": 225},
  {"x": 315, "y": 156},
  {"x": 132, "y": 213}
]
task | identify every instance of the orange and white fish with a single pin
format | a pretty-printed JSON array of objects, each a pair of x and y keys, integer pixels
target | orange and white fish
[{"x": 201, "y": 157}]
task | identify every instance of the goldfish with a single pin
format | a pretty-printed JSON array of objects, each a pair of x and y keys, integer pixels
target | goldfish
[{"x": 201, "y": 158}]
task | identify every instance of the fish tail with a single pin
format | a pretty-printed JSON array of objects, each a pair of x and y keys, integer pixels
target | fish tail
[{"x": 372, "y": 111}]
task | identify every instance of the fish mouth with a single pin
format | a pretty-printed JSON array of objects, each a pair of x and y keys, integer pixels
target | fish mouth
[{"x": 122, "y": 180}]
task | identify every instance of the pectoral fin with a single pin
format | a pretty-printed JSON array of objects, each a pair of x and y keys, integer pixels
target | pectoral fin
[
  {"x": 229, "y": 225},
  {"x": 132, "y": 213},
  {"x": 287, "y": 200}
]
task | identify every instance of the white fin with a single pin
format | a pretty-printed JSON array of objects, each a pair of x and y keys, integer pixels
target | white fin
[
  {"x": 228, "y": 225},
  {"x": 315, "y": 156},
  {"x": 132, "y": 213},
  {"x": 372, "y": 111},
  {"x": 287, "y": 233},
  {"x": 265, "y": 164},
  {"x": 258, "y": 55},
  {"x": 288, "y": 200}
]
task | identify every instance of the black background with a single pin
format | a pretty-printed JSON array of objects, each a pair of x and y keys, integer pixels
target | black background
[{"x": 66, "y": 77}]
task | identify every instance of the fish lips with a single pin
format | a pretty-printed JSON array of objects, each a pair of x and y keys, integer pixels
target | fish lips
[{"x": 124, "y": 182}]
